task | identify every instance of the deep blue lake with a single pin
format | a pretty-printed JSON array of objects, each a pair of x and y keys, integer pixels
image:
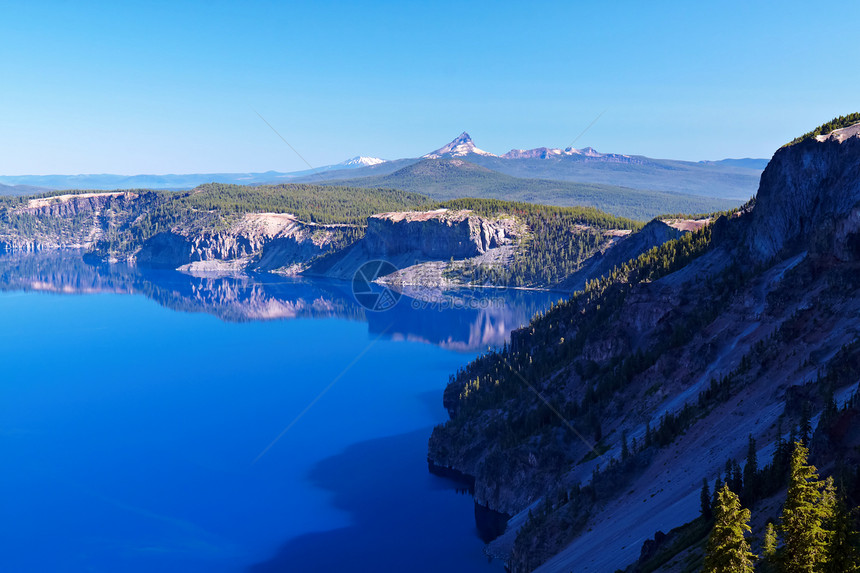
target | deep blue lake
[{"x": 163, "y": 422}]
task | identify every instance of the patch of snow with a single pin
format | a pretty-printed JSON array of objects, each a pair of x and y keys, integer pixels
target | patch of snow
[
  {"x": 460, "y": 146},
  {"x": 361, "y": 161}
]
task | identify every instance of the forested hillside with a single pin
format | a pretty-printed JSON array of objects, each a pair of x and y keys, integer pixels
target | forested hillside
[
  {"x": 443, "y": 179},
  {"x": 559, "y": 241},
  {"x": 552, "y": 244},
  {"x": 596, "y": 426}
]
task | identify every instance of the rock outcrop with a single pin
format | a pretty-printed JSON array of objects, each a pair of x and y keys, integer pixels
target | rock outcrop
[
  {"x": 620, "y": 251},
  {"x": 767, "y": 303},
  {"x": 809, "y": 198},
  {"x": 439, "y": 234},
  {"x": 72, "y": 205},
  {"x": 258, "y": 241},
  {"x": 409, "y": 238},
  {"x": 71, "y": 221}
]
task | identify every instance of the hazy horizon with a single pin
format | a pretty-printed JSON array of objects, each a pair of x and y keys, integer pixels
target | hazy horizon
[{"x": 175, "y": 88}]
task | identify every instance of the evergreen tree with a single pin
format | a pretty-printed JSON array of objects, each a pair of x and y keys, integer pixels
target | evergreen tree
[
  {"x": 805, "y": 539},
  {"x": 769, "y": 562},
  {"x": 737, "y": 483},
  {"x": 718, "y": 485},
  {"x": 770, "y": 541},
  {"x": 843, "y": 542},
  {"x": 805, "y": 428},
  {"x": 831, "y": 410},
  {"x": 728, "y": 550},
  {"x": 705, "y": 498},
  {"x": 751, "y": 472}
]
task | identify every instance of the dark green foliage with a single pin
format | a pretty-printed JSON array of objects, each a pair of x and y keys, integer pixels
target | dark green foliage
[
  {"x": 568, "y": 216},
  {"x": 546, "y": 347},
  {"x": 551, "y": 525},
  {"x": 311, "y": 203},
  {"x": 718, "y": 485},
  {"x": 444, "y": 179},
  {"x": 770, "y": 542},
  {"x": 750, "y": 475},
  {"x": 728, "y": 550},
  {"x": 804, "y": 514},
  {"x": 562, "y": 514},
  {"x": 125, "y": 224},
  {"x": 559, "y": 240},
  {"x": 687, "y": 536},
  {"x": 805, "y": 426},
  {"x": 843, "y": 547},
  {"x": 824, "y": 129},
  {"x": 706, "y": 503}
]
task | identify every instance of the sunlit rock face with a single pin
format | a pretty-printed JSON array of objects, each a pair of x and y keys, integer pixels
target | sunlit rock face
[
  {"x": 808, "y": 198},
  {"x": 437, "y": 234}
]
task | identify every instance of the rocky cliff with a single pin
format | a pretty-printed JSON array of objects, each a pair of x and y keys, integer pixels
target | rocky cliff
[
  {"x": 808, "y": 198},
  {"x": 408, "y": 239},
  {"x": 257, "y": 241},
  {"x": 71, "y": 221},
  {"x": 604, "y": 415},
  {"x": 438, "y": 234},
  {"x": 625, "y": 248}
]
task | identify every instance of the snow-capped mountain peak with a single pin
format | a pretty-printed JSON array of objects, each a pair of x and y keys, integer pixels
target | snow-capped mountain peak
[
  {"x": 546, "y": 153},
  {"x": 460, "y": 146},
  {"x": 361, "y": 161}
]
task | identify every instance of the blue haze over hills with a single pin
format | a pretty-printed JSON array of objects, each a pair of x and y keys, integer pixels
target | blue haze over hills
[{"x": 734, "y": 179}]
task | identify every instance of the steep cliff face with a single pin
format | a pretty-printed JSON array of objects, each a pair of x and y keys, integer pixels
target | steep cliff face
[
  {"x": 66, "y": 206},
  {"x": 436, "y": 234},
  {"x": 164, "y": 230},
  {"x": 409, "y": 238},
  {"x": 690, "y": 357},
  {"x": 76, "y": 221},
  {"x": 808, "y": 198},
  {"x": 259, "y": 241},
  {"x": 269, "y": 241}
]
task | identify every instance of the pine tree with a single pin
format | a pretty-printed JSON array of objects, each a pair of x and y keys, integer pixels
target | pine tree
[
  {"x": 831, "y": 411},
  {"x": 804, "y": 537},
  {"x": 842, "y": 544},
  {"x": 705, "y": 498},
  {"x": 728, "y": 550},
  {"x": 737, "y": 477},
  {"x": 751, "y": 472},
  {"x": 805, "y": 427},
  {"x": 770, "y": 541},
  {"x": 718, "y": 485}
]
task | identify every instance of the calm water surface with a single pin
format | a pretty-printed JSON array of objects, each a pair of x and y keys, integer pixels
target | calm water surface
[{"x": 140, "y": 416}]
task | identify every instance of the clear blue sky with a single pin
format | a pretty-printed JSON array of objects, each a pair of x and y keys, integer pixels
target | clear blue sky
[{"x": 172, "y": 87}]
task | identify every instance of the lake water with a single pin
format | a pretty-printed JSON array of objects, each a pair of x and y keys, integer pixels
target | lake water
[{"x": 162, "y": 422}]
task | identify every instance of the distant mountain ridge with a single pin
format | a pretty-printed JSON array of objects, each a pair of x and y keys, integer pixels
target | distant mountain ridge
[
  {"x": 451, "y": 177},
  {"x": 461, "y": 146},
  {"x": 360, "y": 161},
  {"x": 734, "y": 179},
  {"x": 21, "y": 189}
]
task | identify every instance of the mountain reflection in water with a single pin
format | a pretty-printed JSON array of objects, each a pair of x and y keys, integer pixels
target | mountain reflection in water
[{"x": 464, "y": 320}]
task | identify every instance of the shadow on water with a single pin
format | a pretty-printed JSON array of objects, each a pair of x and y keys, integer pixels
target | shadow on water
[
  {"x": 401, "y": 516},
  {"x": 395, "y": 505}
]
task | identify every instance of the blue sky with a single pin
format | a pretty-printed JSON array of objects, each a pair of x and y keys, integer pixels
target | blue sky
[{"x": 172, "y": 87}]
